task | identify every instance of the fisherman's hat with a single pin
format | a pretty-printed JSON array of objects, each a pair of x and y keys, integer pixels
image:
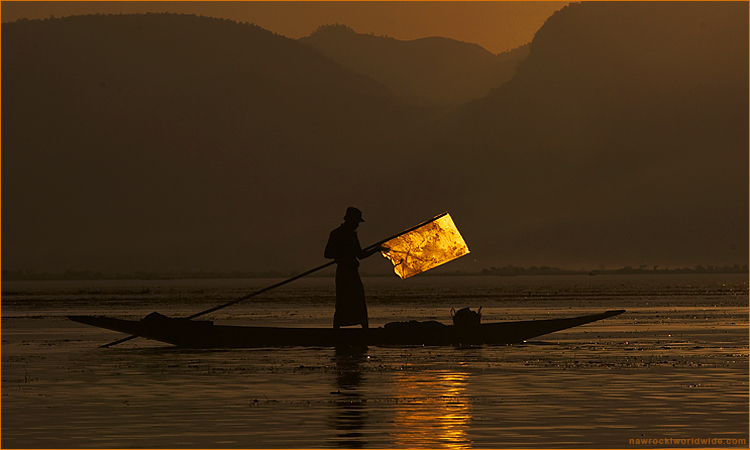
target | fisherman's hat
[{"x": 353, "y": 214}]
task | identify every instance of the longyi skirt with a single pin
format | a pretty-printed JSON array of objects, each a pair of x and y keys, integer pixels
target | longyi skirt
[{"x": 351, "y": 308}]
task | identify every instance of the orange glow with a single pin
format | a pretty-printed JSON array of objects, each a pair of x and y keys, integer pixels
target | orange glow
[
  {"x": 428, "y": 246},
  {"x": 433, "y": 410},
  {"x": 496, "y": 26}
]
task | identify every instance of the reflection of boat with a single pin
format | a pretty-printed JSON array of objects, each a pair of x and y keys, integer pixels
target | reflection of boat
[{"x": 204, "y": 334}]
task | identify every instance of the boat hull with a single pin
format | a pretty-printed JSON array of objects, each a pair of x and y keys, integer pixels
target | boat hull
[{"x": 204, "y": 334}]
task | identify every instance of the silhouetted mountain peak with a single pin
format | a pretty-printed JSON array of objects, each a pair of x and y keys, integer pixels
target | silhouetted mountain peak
[
  {"x": 175, "y": 126},
  {"x": 439, "y": 69},
  {"x": 195, "y": 47},
  {"x": 642, "y": 42},
  {"x": 168, "y": 142},
  {"x": 333, "y": 30},
  {"x": 632, "y": 114}
]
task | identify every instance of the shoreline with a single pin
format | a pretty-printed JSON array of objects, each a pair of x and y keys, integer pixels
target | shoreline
[{"x": 508, "y": 271}]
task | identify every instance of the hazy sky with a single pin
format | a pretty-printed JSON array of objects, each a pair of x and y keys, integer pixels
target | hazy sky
[{"x": 496, "y": 26}]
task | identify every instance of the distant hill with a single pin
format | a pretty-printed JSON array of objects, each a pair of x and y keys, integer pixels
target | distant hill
[
  {"x": 438, "y": 69},
  {"x": 625, "y": 132},
  {"x": 168, "y": 143},
  {"x": 173, "y": 140}
]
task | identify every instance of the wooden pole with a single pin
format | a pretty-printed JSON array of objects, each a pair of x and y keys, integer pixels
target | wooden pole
[{"x": 281, "y": 283}]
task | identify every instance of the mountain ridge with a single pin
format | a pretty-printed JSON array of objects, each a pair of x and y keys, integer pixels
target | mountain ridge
[
  {"x": 633, "y": 158},
  {"x": 176, "y": 135},
  {"x": 169, "y": 151},
  {"x": 438, "y": 69}
]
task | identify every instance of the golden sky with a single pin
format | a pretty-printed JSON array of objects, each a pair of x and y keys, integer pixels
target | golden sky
[{"x": 496, "y": 26}]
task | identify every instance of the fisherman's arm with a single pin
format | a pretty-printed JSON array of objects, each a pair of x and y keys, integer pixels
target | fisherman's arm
[{"x": 367, "y": 253}]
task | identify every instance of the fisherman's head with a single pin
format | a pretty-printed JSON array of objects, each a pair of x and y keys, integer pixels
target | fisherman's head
[{"x": 353, "y": 217}]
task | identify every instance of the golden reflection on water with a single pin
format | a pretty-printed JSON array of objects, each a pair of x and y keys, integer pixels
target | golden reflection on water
[{"x": 433, "y": 410}]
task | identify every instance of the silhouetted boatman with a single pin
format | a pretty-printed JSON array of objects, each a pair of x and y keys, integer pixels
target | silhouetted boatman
[{"x": 343, "y": 246}]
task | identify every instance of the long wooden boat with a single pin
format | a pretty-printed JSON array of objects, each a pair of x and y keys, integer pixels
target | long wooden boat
[{"x": 204, "y": 334}]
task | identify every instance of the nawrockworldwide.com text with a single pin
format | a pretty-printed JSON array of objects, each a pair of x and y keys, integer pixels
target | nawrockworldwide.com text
[{"x": 687, "y": 441}]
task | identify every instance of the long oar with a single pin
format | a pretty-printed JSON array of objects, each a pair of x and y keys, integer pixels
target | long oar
[{"x": 281, "y": 283}]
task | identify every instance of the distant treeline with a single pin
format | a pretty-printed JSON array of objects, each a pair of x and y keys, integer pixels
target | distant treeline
[
  {"x": 22, "y": 275},
  {"x": 510, "y": 270},
  {"x": 545, "y": 270}
]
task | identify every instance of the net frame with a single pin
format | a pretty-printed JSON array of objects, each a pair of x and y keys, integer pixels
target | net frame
[{"x": 430, "y": 245}]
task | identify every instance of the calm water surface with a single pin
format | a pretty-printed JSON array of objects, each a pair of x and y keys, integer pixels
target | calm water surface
[{"x": 674, "y": 366}]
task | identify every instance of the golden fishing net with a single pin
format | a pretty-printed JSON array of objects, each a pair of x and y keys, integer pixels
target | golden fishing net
[{"x": 430, "y": 245}]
